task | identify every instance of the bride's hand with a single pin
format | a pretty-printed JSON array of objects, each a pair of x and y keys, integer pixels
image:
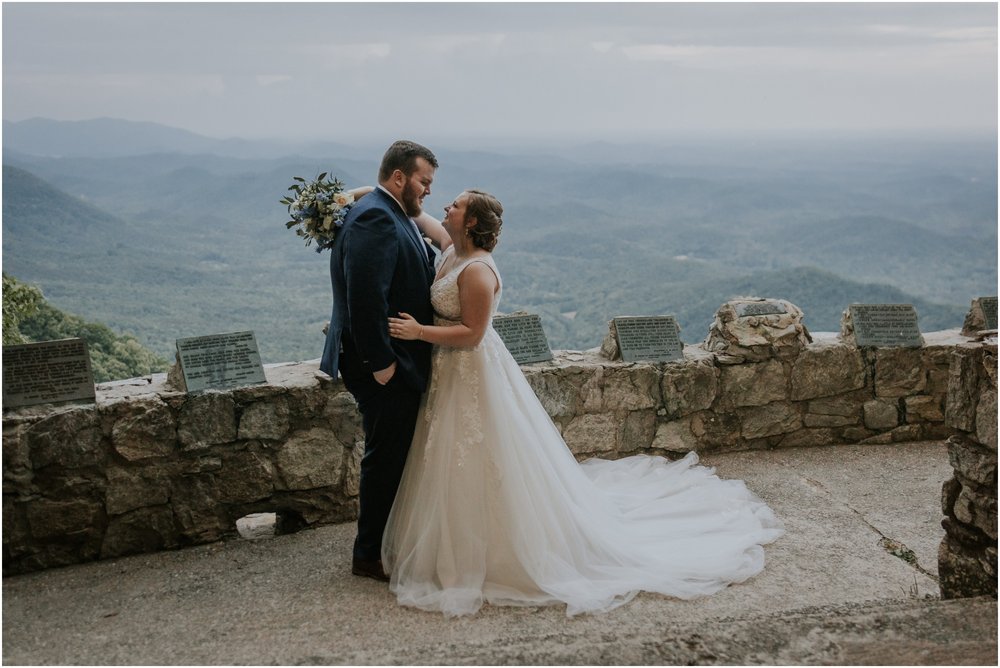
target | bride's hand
[{"x": 405, "y": 327}]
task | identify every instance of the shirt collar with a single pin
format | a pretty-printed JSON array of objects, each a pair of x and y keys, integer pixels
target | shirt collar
[{"x": 401, "y": 207}]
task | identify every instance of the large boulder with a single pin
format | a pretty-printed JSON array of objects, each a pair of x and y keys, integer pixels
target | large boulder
[{"x": 753, "y": 330}]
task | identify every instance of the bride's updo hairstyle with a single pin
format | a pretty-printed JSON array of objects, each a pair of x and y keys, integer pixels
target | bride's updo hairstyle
[{"x": 488, "y": 212}]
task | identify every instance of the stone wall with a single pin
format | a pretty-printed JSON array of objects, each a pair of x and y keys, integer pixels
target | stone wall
[
  {"x": 967, "y": 558},
  {"x": 147, "y": 468}
]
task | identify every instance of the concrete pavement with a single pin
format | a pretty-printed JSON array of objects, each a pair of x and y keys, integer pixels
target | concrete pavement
[{"x": 852, "y": 582}]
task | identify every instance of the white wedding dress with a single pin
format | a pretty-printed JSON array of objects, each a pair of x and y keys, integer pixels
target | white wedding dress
[{"x": 493, "y": 508}]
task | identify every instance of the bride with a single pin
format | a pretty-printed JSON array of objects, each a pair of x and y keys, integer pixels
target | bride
[{"x": 493, "y": 507}]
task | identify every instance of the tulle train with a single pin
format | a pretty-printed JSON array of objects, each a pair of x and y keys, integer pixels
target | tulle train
[{"x": 493, "y": 508}]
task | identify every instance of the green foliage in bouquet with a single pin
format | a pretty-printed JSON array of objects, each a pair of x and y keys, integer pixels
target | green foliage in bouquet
[{"x": 317, "y": 209}]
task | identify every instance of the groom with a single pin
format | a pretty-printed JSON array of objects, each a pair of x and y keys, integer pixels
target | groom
[{"x": 379, "y": 267}]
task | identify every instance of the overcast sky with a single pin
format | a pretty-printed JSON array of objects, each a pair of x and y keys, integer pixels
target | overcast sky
[{"x": 347, "y": 71}]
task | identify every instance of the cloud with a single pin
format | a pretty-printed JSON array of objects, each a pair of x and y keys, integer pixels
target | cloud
[
  {"x": 671, "y": 52},
  {"x": 341, "y": 56},
  {"x": 271, "y": 79},
  {"x": 123, "y": 83},
  {"x": 963, "y": 34},
  {"x": 865, "y": 61},
  {"x": 566, "y": 67},
  {"x": 450, "y": 44}
]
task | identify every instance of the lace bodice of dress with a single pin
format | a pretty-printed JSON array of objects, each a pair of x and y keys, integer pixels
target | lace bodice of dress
[{"x": 444, "y": 291}]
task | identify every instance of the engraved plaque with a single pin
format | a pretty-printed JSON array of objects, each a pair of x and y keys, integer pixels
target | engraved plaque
[
  {"x": 524, "y": 337},
  {"x": 886, "y": 325},
  {"x": 649, "y": 339},
  {"x": 746, "y": 309},
  {"x": 989, "y": 307},
  {"x": 47, "y": 372},
  {"x": 220, "y": 361}
]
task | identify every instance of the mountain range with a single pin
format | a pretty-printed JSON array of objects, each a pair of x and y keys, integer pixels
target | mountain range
[{"x": 165, "y": 234}]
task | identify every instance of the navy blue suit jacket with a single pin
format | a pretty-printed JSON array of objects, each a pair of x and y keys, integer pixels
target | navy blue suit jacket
[{"x": 379, "y": 266}]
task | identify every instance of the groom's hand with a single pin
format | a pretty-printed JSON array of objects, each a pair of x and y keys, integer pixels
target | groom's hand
[{"x": 385, "y": 375}]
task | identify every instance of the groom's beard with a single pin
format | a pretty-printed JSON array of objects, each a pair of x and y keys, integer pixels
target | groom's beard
[{"x": 411, "y": 201}]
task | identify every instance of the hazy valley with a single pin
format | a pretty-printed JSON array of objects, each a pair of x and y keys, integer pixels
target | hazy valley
[{"x": 165, "y": 234}]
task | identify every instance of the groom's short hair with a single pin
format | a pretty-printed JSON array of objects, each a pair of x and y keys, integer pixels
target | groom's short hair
[{"x": 402, "y": 155}]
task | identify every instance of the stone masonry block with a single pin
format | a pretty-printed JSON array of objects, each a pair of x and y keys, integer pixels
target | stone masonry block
[
  {"x": 963, "y": 389},
  {"x": 840, "y": 411},
  {"x": 936, "y": 356},
  {"x": 65, "y": 520},
  {"x": 590, "y": 433},
  {"x": 839, "y": 406},
  {"x": 559, "y": 391},
  {"x": 638, "y": 430},
  {"x": 16, "y": 459},
  {"x": 899, "y": 372},
  {"x": 989, "y": 364},
  {"x": 305, "y": 402},
  {"x": 341, "y": 416},
  {"x": 813, "y": 420},
  {"x": 689, "y": 388},
  {"x": 310, "y": 459},
  {"x": 986, "y": 419},
  {"x": 143, "y": 430},
  {"x": 621, "y": 388},
  {"x": 752, "y": 384},
  {"x": 973, "y": 461},
  {"x": 246, "y": 476},
  {"x": 197, "y": 508},
  {"x": 16, "y": 534},
  {"x": 923, "y": 409},
  {"x": 808, "y": 438},
  {"x": 826, "y": 371},
  {"x": 937, "y": 381},
  {"x": 140, "y": 531},
  {"x": 770, "y": 420},
  {"x": 880, "y": 414},
  {"x": 675, "y": 436},
  {"x": 265, "y": 420},
  {"x": 716, "y": 430},
  {"x": 977, "y": 511},
  {"x": 70, "y": 439},
  {"x": 207, "y": 419},
  {"x": 962, "y": 573},
  {"x": 130, "y": 489}
]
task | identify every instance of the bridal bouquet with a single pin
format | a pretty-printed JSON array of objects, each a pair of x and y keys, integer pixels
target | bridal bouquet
[{"x": 317, "y": 209}]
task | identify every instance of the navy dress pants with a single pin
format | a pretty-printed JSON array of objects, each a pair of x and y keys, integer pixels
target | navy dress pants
[{"x": 389, "y": 416}]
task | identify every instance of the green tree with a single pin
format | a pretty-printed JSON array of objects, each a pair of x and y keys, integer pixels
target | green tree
[
  {"x": 112, "y": 356},
  {"x": 20, "y": 301},
  {"x": 27, "y": 318}
]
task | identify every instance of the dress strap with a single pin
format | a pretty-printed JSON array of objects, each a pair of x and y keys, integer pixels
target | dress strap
[
  {"x": 488, "y": 261},
  {"x": 442, "y": 257}
]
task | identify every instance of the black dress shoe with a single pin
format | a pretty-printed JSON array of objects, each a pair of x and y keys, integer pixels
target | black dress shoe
[{"x": 369, "y": 569}]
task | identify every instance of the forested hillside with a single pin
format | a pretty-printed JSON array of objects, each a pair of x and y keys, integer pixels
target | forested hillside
[
  {"x": 29, "y": 318},
  {"x": 168, "y": 245}
]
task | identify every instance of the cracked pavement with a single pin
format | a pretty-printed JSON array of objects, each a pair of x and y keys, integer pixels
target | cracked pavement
[{"x": 832, "y": 592}]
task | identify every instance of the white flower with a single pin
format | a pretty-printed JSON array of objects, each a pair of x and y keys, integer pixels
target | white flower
[{"x": 326, "y": 204}]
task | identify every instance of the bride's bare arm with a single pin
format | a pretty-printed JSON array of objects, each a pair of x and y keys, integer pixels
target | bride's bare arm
[
  {"x": 431, "y": 227},
  {"x": 476, "y": 285},
  {"x": 360, "y": 191}
]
